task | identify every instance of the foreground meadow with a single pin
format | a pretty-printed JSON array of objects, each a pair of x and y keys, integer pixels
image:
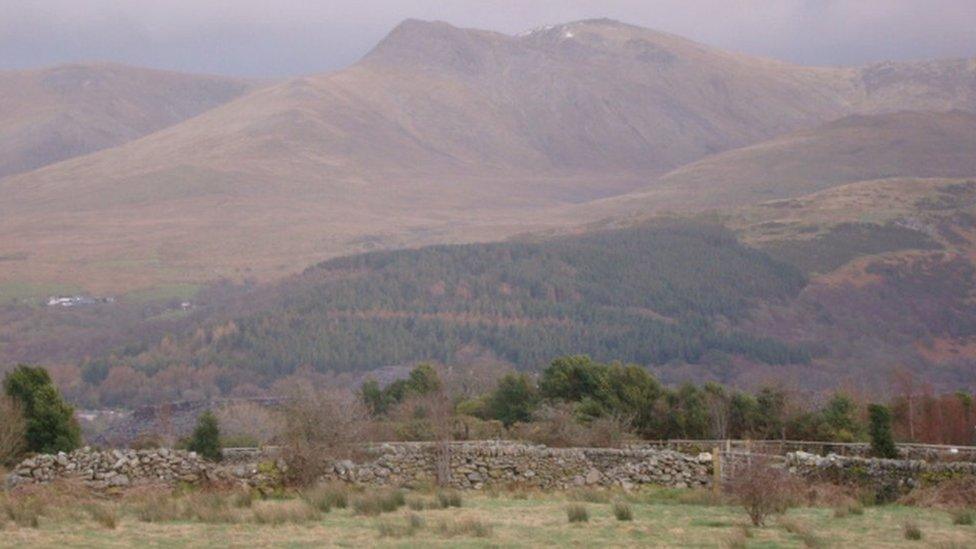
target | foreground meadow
[{"x": 334, "y": 516}]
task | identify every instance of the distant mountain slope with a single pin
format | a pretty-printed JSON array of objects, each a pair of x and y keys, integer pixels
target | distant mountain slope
[
  {"x": 854, "y": 148},
  {"x": 439, "y": 135},
  {"x": 840, "y": 287},
  {"x": 49, "y": 115}
]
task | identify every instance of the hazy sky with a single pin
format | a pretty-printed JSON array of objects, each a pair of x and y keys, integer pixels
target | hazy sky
[{"x": 288, "y": 37}]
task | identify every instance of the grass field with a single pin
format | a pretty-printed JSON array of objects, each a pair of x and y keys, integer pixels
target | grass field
[{"x": 482, "y": 520}]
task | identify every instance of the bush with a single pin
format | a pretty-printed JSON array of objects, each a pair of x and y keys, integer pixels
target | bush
[
  {"x": 13, "y": 431},
  {"x": 51, "y": 424},
  {"x": 763, "y": 490},
  {"x": 23, "y": 511},
  {"x": 205, "y": 439},
  {"x": 623, "y": 511},
  {"x": 912, "y": 531},
  {"x": 319, "y": 427},
  {"x": 577, "y": 513},
  {"x": 882, "y": 443}
]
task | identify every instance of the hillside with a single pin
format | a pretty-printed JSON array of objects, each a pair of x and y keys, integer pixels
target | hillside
[
  {"x": 53, "y": 114},
  {"x": 854, "y": 148},
  {"x": 650, "y": 294},
  {"x": 439, "y": 135},
  {"x": 838, "y": 287}
]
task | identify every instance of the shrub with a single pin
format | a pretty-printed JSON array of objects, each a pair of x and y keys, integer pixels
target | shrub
[
  {"x": 912, "y": 531},
  {"x": 318, "y": 427},
  {"x": 382, "y": 501},
  {"x": 882, "y": 443},
  {"x": 51, "y": 425},
  {"x": 13, "y": 431},
  {"x": 419, "y": 504},
  {"x": 577, "y": 513},
  {"x": 623, "y": 511},
  {"x": 106, "y": 515},
  {"x": 449, "y": 498},
  {"x": 205, "y": 439},
  {"x": 963, "y": 517},
  {"x": 763, "y": 490}
]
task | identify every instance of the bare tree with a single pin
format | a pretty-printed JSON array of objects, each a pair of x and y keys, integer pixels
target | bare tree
[
  {"x": 13, "y": 431},
  {"x": 244, "y": 419},
  {"x": 317, "y": 428}
]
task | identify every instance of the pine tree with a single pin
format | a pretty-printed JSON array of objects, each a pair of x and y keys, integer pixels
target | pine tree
[
  {"x": 882, "y": 443},
  {"x": 51, "y": 424},
  {"x": 205, "y": 439}
]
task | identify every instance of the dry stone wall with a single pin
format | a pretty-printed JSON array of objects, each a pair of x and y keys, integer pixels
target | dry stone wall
[
  {"x": 472, "y": 465},
  {"x": 889, "y": 475}
]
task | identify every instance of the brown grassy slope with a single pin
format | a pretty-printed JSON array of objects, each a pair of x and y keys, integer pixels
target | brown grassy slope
[
  {"x": 855, "y": 148},
  {"x": 52, "y": 114},
  {"x": 440, "y": 134}
]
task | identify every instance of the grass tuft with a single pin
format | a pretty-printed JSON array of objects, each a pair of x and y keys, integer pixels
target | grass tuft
[
  {"x": 963, "y": 517},
  {"x": 24, "y": 512},
  {"x": 285, "y": 512},
  {"x": 577, "y": 513},
  {"x": 465, "y": 527},
  {"x": 103, "y": 514},
  {"x": 449, "y": 498},
  {"x": 383, "y": 501},
  {"x": 326, "y": 497},
  {"x": 911, "y": 531},
  {"x": 623, "y": 511}
]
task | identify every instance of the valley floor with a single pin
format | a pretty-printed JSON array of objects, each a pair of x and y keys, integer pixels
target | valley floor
[{"x": 662, "y": 518}]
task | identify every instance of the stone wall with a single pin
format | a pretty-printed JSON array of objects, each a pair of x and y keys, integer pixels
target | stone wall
[
  {"x": 472, "y": 465},
  {"x": 889, "y": 475}
]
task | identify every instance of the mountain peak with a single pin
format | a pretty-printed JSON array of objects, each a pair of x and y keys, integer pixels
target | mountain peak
[{"x": 435, "y": 43}]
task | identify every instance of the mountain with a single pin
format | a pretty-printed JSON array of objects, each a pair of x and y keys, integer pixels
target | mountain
[
  {"x": 854, "y": 148},
  {"x": 438, "y": 135},
  {"x": 49, "y": 115}
]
